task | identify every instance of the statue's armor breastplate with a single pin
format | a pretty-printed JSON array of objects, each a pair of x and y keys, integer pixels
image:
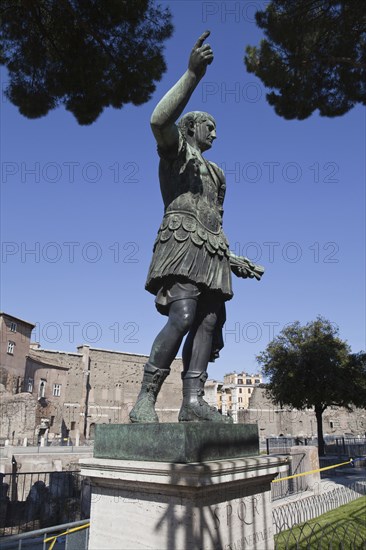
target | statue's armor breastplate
[
  {"x": 196, "y": 216},
  {"x": 190, "y": 189},
  {"x": 202, "y": 206}
]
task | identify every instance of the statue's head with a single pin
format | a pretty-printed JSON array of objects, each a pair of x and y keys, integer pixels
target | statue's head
[{"x": 199, "y": 128}]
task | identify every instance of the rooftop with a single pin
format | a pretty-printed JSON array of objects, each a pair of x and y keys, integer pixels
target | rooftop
[{"x": 4, "y": 314}]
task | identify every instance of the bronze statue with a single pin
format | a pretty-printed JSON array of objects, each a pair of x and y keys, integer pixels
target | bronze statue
[{"x": 190, "y": 272}]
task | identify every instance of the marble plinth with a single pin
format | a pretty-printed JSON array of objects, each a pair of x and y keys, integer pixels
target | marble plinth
[{"x": 211, "y": 505}]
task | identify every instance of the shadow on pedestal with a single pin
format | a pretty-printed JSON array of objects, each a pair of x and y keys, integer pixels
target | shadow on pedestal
[{"x": 180, "y": 486}]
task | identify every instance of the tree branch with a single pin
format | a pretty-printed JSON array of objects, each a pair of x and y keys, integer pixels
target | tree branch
[
  {"x": 37, "y": 16},
  {"x": 90, "y": 31},
  {"x": 347, "y": 60}
]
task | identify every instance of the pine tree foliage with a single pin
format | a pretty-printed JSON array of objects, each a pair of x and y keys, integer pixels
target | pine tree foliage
[
  {"x": 85, "y": 54},
  {"x": 314, "y": 56}
]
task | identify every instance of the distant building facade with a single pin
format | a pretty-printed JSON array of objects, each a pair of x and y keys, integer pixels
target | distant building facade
[
  {"x": 59, "y": 395},
  {"x": 274, "y": 421},
  {"x": 233, "y": 394},
  {"x": 15, "y": 334},
  {"x": 77, "y": 391}
]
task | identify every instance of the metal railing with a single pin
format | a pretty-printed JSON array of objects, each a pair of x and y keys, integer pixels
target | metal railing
[
  {"x": 322, "y": 536},
  {"x": 70, "y": 536},
  {"x": 334, "y": 445},
  {"x": 293, "y": 513},
  {"x": 282, "y": 444},
  {"x": 36, "y": 442},
  {"x": 289, "y": 487},
  {"x": 36, "y": 500},
  {"x": 346, "y": 446}
]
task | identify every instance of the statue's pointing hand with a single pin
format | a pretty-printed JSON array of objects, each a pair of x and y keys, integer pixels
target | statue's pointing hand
[{"x": 201, "y": 56}]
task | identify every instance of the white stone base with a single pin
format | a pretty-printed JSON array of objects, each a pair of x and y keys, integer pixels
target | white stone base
[{"x": 202, "y": 506}]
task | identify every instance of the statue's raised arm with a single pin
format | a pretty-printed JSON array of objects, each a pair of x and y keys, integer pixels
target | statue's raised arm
[{"x": 172, "y": 104}]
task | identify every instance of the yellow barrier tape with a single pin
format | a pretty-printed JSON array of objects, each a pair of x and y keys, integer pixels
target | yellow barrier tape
[
  {"x": 55, "y": 537},
  {"x": 312, "y": 471}
]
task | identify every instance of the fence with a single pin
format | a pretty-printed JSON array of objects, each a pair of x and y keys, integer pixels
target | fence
[
  {"x": 288, "y": 487},
  {"x": 75, "y": 537},
  {"x": 340, "y": 446},
  {"x": 320, "y": 536},
  {"x": 346, "y": 446},
  {"x": 36, "y": 442},
  {"x": 8, "y": 452},
  {"x": 282, "y": 445},
  {"x": 300, "y": 511},
  {"x": 34, "y": 500}
]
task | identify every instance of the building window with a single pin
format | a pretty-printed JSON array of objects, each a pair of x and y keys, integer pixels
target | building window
[
  {"x": 240, "y": 390},
  {"x": 257, "y": 381},
  {"x": 331, "y": 424},
  {"x": 30, "y": 385},
  {"x": 56, "y": 390},
  {"x": 42, "y": 388},
  {"x": 13, "y": 327},
  {"x": 249, "y": 390},
  {"x": 10, "y": 348},
  {"x": 240, "y": 381},
  {"x": 240, "y": 400},
  {"x": 249, "y": 381},
  {"x": 72, "y": 427},
  {"x": 52, "y": 420}
]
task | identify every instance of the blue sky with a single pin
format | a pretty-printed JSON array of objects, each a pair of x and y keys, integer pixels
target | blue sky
[{"x": 81, "y": 207}]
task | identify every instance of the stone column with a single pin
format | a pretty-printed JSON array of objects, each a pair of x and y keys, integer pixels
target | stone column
[
  {"x": 234, "y": 403},
  {"x": 84, "y": 400},
  {"x": 224, "y": 402}
]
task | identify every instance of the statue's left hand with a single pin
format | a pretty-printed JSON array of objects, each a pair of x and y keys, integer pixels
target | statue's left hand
[{"x": 244, "y": 268}]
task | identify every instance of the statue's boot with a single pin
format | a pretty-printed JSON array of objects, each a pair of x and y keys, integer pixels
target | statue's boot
[
  {"x": 144, "y": 409},
  {"x": 194, "y": 408}
]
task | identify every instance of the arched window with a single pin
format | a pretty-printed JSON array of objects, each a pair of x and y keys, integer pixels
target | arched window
[
  {"x": 42, "y": 388},
  {"x": 92, "y": 431}
]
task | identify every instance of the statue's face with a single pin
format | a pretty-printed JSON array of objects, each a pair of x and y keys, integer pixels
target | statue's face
[{"x": 204, "y": 134}]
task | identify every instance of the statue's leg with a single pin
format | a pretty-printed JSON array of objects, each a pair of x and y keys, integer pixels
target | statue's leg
[
  {"x": 164, "y": 350},
  {"x": 196, "y": 355},
  {"x": 166, "y": 345}
]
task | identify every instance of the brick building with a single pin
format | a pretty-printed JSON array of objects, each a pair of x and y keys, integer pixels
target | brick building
[
  {"x": 58, "y": 394},
  {"x": 76, "y": 391},
  {"x": 15, "y": 334}
]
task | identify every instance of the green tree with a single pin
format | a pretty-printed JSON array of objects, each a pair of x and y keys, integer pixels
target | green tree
[
  {"x": 85, "y": 54},
  {"x": 314, "y": 55},
  {"x": 310, "y": 366}
]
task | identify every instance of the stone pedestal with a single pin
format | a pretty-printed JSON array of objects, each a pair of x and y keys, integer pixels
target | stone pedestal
[
  {"x": 176, "y": 442},
  {"x": 205, "y": 505},
  {"x": 310, "y": 463}
]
